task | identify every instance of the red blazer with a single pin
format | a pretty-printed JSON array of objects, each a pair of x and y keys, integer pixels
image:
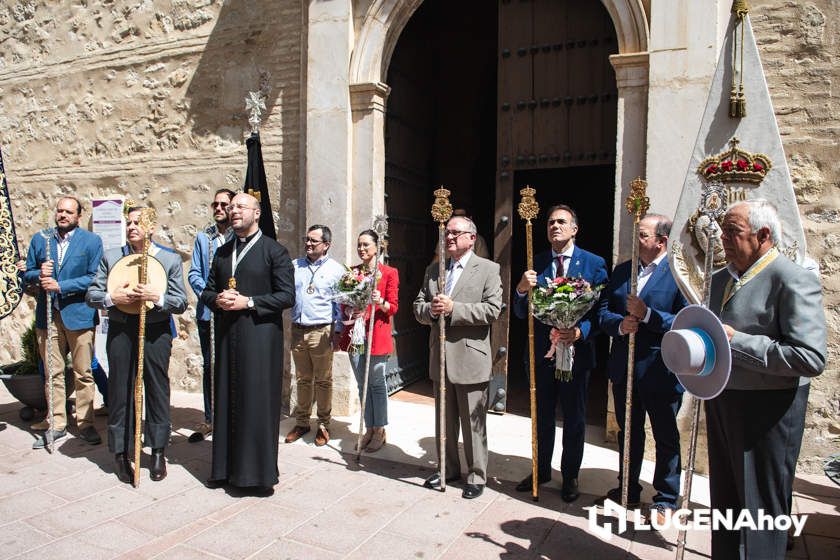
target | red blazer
[{"x": 383, "y": 342}]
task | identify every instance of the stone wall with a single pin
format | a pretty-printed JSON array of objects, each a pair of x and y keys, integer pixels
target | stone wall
[
  {"x": 146, "y": 98},
  {"x": 799, "y": 46}
]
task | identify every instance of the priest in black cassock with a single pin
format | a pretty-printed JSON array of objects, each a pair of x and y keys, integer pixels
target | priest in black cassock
[{"x": 251, "y": 282}]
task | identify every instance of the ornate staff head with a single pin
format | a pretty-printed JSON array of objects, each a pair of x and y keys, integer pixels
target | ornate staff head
[
  {"x": 637, "y": 203},
  {"x": 528, "y": 208},
  {"x": 441, "y": 209},
  {"x": 255, "y": 105}
]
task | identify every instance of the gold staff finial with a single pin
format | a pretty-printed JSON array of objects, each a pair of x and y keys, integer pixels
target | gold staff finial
[
  {"x": 637, "y": 203},
  {"x": 255, "y": 194},
  {"x": 528, "y": 207},
  {"x": 441, "y": 209}
]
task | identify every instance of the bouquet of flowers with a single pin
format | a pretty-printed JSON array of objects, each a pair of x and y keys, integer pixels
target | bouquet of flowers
[
  {"x": 561, "y": 304},
  {"x": 353, "y": 290}
]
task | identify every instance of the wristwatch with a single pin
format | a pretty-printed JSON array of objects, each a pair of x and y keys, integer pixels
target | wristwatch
[{"x": 250, "y": 303}]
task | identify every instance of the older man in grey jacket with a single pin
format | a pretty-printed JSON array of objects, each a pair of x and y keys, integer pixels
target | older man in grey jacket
[
  {"x": 471, "y": 301},
  {"x": 772, "y": 312}
]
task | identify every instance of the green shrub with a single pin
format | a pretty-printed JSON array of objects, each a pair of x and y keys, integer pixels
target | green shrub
[{"x": 29, "y": 347}]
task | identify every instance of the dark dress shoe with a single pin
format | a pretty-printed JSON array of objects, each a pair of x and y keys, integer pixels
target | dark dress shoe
[
  {"x": 433, "y": 482},
  {"x": 526, "y": 484},
  {"x": 615, "y": 495},
  {"x": 262, "y": 491},
  {"x": 570, "y": 492},
  {"x": 90, "y": 435},
  {"x": 158, "y": 469},
  {"x": 213, "y": 484},
  {"x": 123, "y": 468},
  {"x": 472, "y": 491}
]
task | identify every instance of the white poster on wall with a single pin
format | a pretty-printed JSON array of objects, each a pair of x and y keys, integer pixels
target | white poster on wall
[{"x": 108, "y": 221}]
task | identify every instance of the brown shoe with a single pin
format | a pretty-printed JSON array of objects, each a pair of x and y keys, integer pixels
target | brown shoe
[
  {"x": 377, "y": 441},
  {"x": 41, "y": 426},
  {"x": 366, "y": 438},
  {"x": 296, "y": 433},
  {"x": 322, "y": 436}
]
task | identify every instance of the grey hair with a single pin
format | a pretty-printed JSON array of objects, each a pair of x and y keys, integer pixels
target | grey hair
[
  {"x": 663, "y": 224},
  {"x": 763, "y": 214},
  {"x": 470, "y": 224}
]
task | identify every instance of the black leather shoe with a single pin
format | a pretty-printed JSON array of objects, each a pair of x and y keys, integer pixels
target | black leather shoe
[
  {"x": 433, "y": 482},
  {"x": 615, "y": 495},
  {"x": 123, "y": 468},
  {"x": 570, "y": 492},
  {"x": 158, "y": 469},
  {"x": 527, "y": 483},
  {"x": 472, "y": 491},
  {"x": 90, "y": 435},
  {"x": 213, "y": 484}
]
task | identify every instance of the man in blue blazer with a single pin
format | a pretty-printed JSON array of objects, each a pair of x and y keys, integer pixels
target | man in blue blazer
[
  {"x": 204, "y": 250},
  {"x": 656, "y": 390},
  {"x": 564, "y": 259},
  {"x": 64, "y": 279}
]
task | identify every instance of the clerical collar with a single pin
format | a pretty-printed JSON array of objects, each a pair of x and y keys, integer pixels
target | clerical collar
[{"x": 246, "y": 239}]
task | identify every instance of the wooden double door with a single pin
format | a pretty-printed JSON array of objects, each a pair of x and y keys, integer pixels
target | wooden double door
[{"x": 486, "y": 98}]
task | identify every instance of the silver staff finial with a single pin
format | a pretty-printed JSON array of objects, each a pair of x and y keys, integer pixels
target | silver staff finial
[{"x": 255, "y": 105}]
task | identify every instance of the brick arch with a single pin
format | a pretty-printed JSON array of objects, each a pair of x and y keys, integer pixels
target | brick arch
[{"x": 385, "y": 20}]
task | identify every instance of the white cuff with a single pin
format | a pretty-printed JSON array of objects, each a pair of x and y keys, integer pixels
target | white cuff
[
  {"x": 159, "y": 302},
  {"x": 108, "y": 301},
  {"x": 647, "y": 316}
]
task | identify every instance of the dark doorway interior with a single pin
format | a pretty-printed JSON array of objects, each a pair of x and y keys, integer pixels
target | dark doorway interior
[
  {"x": 590, "y": 191},
  {"x": 440, "y": 130}
]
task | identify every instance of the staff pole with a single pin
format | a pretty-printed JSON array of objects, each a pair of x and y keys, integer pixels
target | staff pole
[{"x": 441, "y": 212}]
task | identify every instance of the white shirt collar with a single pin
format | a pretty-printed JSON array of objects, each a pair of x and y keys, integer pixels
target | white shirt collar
[
  {"x": 568, "y": 252},
  {"x": 655, "y": 262},
  {"x": 463, "y": 260}
]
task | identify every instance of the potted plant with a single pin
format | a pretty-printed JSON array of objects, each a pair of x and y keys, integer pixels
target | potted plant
[{"x": 24, "y": 379}]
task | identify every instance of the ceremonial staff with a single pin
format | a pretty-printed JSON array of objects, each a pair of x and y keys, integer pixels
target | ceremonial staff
[
  {"x": 528, "y": 210},
  {"x": 441, "y": 212},
  {"x": 147, "y": 223},
  {"x": 712, "y": 207},
  {"x": 49, "y": 436},
  {"x": 637, "y": 205},
  {"x": 380, "y": 226}
]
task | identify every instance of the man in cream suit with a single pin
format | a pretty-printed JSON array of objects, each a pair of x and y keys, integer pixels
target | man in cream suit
[
  {"x": 772, "y": 312},
  {"x": 471, "y": 301}
]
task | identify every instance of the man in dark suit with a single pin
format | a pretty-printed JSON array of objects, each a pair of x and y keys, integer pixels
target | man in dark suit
[
  {"x": 772, "y": 311},
  {"x": 471, "y": 301},
  {"x": 656, "y": 390},
  {"x": 122, "y": 347},
  {"x": 564, "y": 259},
  {"x": 64, "y": 278}
]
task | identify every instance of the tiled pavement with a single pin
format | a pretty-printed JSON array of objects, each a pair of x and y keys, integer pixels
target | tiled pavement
[{"x": 70, "y": 505}]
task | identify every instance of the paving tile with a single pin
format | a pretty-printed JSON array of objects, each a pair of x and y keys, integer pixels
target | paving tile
[
  {"x": 18, "y": 537},
  {"x": 823, "y": 517},
  {"x": 397, "y": 547},
  {"x": 96, "y": 541},
  {"x": 291, "y": 550},
  {"x": 182, "y": 552},
  {"x": 84, "y": 484},
  {"x": 27, "y": 503},
  {"x": 166, "y": 515},
  {"x": 89, "y": 512},
  {"x": 442, "y": 517},
  {"x": 32, "y": 476},
  {"x": 314, "y": 490},
  {"x": 820, "y": 548},
  {"x": 815, "y": 485},
  {"x": 247, "y": 532}
]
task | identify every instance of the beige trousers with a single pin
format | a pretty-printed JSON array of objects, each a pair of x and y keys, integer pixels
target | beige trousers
[
  {"x": 80, "y": 344},
  {"x": 313, "y": 356}
]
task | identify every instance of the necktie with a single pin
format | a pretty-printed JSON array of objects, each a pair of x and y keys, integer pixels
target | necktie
[
  {"x": 450, "y": 279},
  {"x": 560, "y": 269}
]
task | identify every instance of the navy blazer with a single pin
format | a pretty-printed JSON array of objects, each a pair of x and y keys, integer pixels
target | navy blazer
[
  {"x": 77, "y": 270},
  {"x": 591, "y": 268},
  {"x": 664, "y": 299}
]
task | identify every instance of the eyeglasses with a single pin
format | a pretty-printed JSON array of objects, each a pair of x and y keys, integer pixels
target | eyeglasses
[
  {"x": 312, "y": 241},
  {"x": 219, "y": 204},
  {"x": 646, "y": 235},
  {"x": 455, "y": 232}
]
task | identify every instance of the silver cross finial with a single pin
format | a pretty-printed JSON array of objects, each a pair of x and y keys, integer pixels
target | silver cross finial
[{"x": 255, "y": 105}]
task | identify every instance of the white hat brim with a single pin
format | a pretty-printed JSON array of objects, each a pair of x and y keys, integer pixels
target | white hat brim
[{"x": 708, "y": 386}]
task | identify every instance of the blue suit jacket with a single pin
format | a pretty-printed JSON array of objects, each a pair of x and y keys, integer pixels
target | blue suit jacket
[
  {"x": 591, "y": 268},
  {"x": 203, "y": 251},
  {"x": 664, "y": 299},
  {"x": 77, "y": 270}
]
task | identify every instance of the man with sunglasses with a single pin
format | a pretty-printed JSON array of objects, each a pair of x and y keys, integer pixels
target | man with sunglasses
[
  {"x": 313, "y": 317},
  {"x": 564, "y": 258},
  {"x": 207, "y": 242}
]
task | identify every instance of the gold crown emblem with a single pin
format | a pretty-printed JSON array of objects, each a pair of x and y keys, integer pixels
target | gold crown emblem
[{"x": 735, "y": 166}]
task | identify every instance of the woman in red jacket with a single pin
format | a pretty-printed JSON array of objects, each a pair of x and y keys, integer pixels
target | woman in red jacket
[{"x": 385, "y": 298}]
